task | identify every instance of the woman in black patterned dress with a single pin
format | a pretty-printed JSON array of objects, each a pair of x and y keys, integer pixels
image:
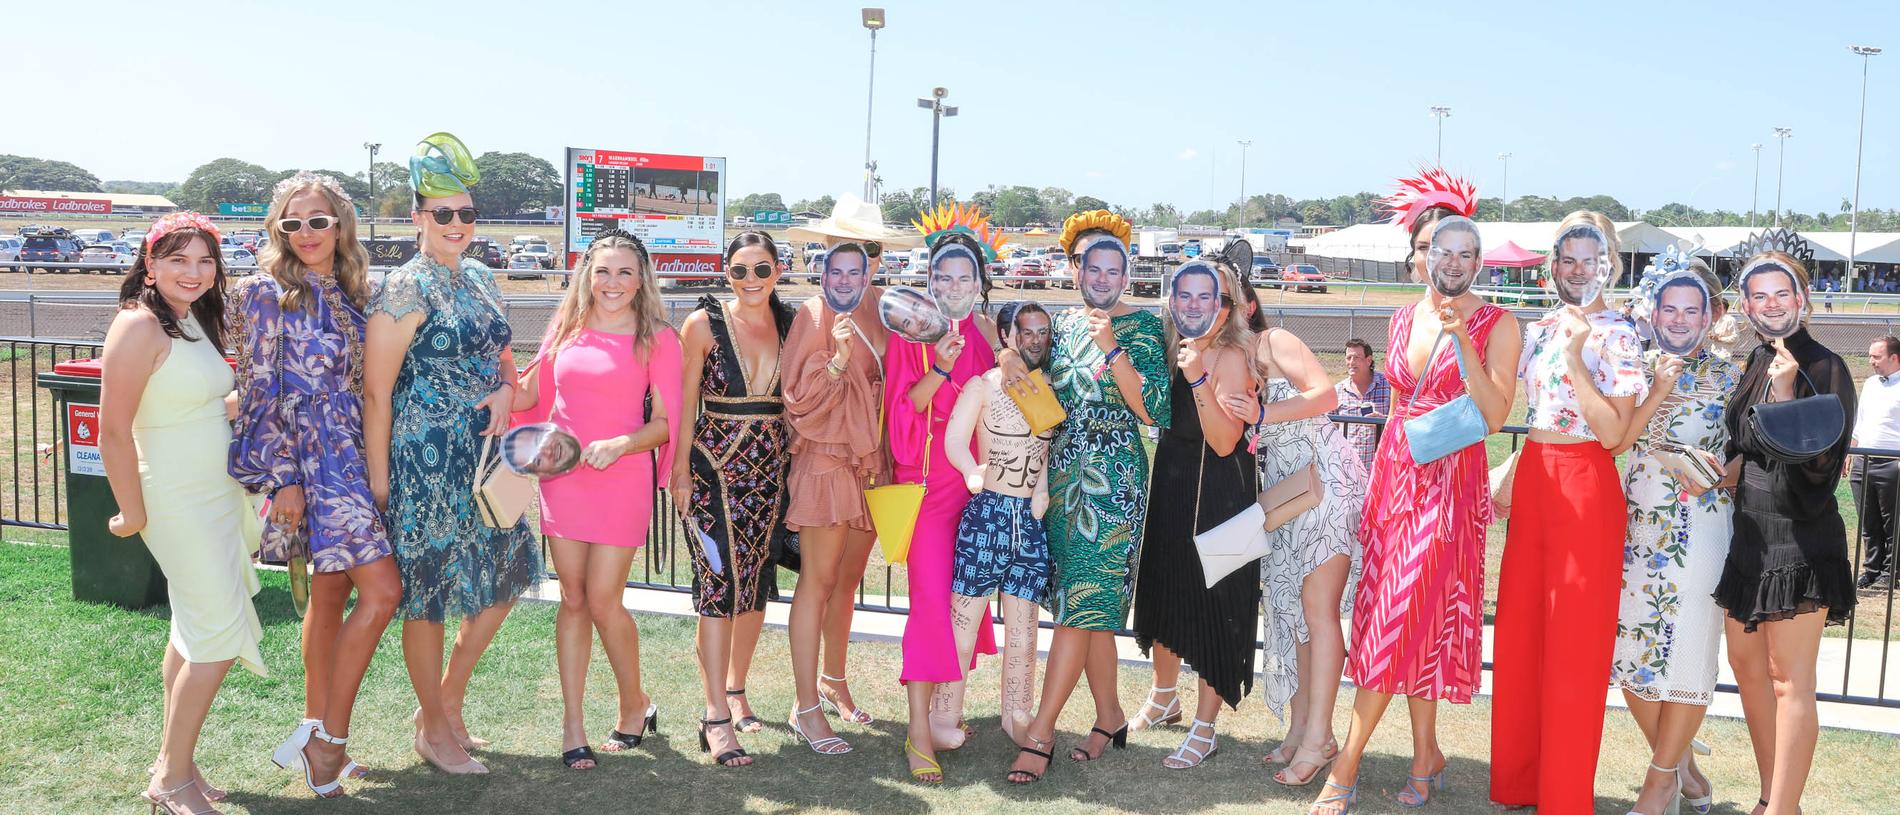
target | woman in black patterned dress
[{"x": 732, "y": 487}]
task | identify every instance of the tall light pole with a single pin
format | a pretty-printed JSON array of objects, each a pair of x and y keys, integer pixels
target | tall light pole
[
  {"x": 938, "y": 110},
  {"x": 1853, "y": 224},
  {"x": 1504, "y": 197},
  {"x": 873, "y": 20},
  {"x": 1441, "y": 113},
  {"x": 1754, "y": 200},
  {"x": 1782, "y": 135},
  {"x": 1244, "y": 144},
  {"x": 371, "y": 178}
]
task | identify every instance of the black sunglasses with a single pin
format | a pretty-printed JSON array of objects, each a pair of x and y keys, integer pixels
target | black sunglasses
[
  {"x": 443, "y": 215},
  {"x": 760, "y": 271},
  {"x": 317, "y": 223}
]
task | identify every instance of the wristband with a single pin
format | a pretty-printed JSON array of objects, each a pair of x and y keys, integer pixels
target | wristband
[
  {"x": 940, "y": 372},
  {"x": 1112, "y": 354},
  {"x": 1199, "y": 382},
  {"x": 1263, "y": 414}
]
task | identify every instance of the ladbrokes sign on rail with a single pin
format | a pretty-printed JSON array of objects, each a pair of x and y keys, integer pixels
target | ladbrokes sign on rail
[{"x": 81, "y": 206}]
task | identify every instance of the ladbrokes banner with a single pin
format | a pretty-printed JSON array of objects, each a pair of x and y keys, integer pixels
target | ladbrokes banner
[{"x": 81, "y": 206}]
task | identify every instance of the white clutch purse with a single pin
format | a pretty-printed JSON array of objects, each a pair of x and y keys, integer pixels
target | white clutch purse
[{"x": 1237, "y": 542}]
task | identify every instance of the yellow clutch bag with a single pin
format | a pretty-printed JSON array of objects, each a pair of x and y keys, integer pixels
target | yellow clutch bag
[
  {"x": 1038, "y": 403},
  {"x": 894, "y": 507}
]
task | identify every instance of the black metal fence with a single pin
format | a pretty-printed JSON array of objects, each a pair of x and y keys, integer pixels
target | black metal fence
[{"x": 33, "y": 465}]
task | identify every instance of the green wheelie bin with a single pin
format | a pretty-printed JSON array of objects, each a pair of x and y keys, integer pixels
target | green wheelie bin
[{"x": 106, "y": 568}]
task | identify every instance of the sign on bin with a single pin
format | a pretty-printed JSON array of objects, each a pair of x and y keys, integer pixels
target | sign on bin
[{"x": 82, "y": 439}]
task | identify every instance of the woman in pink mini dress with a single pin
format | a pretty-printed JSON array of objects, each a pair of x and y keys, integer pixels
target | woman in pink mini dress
[{"x": 608, "y": 373}]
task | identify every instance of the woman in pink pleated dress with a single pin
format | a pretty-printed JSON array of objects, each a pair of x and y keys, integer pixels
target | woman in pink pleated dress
[
  {"x": 608, "y": 373},
  {"x": 921, "y": 384}
]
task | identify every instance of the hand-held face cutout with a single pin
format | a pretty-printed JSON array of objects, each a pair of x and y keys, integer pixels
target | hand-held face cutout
[
  {"x": 847, "y": 277},
  {"x": 956, "y": 279},
  {"x": 542, "y": 450},
  {"x": 1456, "y": 256},
  {"x": 1580, "y": 266},
  {"x": 1194, "y": 298},
  {"x": 1772, "y": 298},
  {"x": 1101, "y": 270},
  {"x": 910, "y": 314},
  {"x": 1030, "y": 334},
  {"x": 1681, "y": 314}
]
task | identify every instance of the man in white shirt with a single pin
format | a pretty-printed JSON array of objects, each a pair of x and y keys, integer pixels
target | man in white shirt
[{"x": 1875, "y": 482}]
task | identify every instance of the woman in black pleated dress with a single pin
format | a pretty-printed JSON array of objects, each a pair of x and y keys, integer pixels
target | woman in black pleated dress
[{"x": 1203, "y": 475}]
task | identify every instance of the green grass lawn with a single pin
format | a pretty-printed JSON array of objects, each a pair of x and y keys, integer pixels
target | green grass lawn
[{"x": 79, "y": 692}]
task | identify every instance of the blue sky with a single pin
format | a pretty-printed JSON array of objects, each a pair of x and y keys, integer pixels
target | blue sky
[{"x": 1132, "y": 102}]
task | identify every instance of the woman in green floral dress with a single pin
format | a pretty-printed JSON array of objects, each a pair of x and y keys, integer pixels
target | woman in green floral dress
[
  {"x": 1668, "y": 625},
  {"x": 1098, "y": 481}
]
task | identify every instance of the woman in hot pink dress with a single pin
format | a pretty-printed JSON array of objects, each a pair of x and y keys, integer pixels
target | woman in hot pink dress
[
  {"x": 921, "y": 384},
  {"x": 608, "y": 351},
  {"x": 1416, "y": 618}
]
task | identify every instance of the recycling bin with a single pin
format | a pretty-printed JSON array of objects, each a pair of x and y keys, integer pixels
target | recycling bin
[{"x": 106, "y": 568}]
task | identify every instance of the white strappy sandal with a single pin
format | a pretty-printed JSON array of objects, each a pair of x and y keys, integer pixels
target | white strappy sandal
[
  {"x": 822, "y": 746},
  {"x": 333, "y": 789},
  {"x": 1180, "y": 754},
  {"x": 1170, "y": 713}
]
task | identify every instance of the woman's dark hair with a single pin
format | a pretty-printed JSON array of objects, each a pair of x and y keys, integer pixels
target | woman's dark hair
[
  {"x": 976, "y": 250},
  {"x": 1257, "y": 321},
  {"x": 208, "y": 308},
  {"x": 751, "y": 238}
]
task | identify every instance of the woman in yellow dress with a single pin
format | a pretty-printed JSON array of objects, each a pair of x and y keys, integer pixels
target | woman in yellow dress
[{"x": 164, "y": 432}]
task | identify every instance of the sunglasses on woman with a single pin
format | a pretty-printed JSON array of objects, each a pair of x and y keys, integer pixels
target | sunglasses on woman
[
  {"x": 760, "y": 271},
  {"x": 317, "y": 223},
  {"x": 443, "y": 215}
]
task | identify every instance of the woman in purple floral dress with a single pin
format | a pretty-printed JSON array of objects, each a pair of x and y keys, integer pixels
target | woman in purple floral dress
[{"x": 299, "y": 438}]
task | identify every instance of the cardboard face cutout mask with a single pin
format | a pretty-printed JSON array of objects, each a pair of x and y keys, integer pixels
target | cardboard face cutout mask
[
  {"x": 1580, "y": 266},
  {"x": 1194, "y": 298},
  {"x": 1456, "y": 256},
  {"x": 846, "y": 277},
  {"x": 911, "y": 315},
  {"x": 541, "y": 450},
  {"x": 956, "y": 278},
  {"x": 1772, "y": 299},
  {"x": 1101, "y": 270},
  {"x": 1680, "y": 314},
  {"x": 1030, "y": 335}
]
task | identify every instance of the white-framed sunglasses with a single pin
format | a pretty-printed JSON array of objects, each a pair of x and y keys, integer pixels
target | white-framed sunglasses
[{"x": 317, "y": 223}]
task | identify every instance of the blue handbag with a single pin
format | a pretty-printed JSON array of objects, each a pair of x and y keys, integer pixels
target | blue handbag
[{"x": 1448, "y": 428}]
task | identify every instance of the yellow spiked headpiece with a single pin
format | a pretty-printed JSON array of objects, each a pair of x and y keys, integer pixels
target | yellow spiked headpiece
[{"x": 949, "y": 218}]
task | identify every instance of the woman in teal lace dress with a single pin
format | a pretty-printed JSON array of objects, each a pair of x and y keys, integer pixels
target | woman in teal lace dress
[{"x": 437, "y": 378}]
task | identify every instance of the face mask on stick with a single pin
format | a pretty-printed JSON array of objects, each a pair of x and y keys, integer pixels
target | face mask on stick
[
  {"x": 1772, "y": 298},
  {"x": 1580, "y": 266},
  {"x": 911, "y": 315},
  {"x": 847, "y": 276},
  {"x": 1680, "y": 314},
  {"x": 1194, "y": 298},
  {"x": 1456, "y": 256},
  {"x": 1101, "y": 269},
  {"x": 956, "y": 278}
]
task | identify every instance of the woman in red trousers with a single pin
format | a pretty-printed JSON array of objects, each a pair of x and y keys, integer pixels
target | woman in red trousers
[{"x": 1559, "y": 586}]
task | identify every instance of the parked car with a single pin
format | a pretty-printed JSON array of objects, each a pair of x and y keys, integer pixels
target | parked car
[
  {"x": 133, "y": 236},
  {"x": 486, "y": 251},
  {"x": 238, "y": 260},
  {"x": 814, "y": 266},
  {"x": 1303, "y": 277},
  {"x": 49, "y": 246},
  {"x": 522, "y": 261},
  {"x": 92, "y": 236},
  {"x": 127, "y": 252},
  {"x": 1028, "y": 265},
  {"x": 515, "y": 244},
  {"x": 538, "y": 252},
  {"x": 784, "y": 258},
  {"x": 99, "y": 257},
  {"x": 813, "y": 250},
  {"x": 28, "y": 229},
  {"x": 1055, "y": 266},
  {"x": 10, "y": 251},
  {"x": 1266, "y": 273}
]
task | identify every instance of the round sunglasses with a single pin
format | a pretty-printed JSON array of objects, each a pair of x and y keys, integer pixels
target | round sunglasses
[
  {"x": 760, "y": 270},
  {"x": 443, "y": 215},
  {"x": 317, "y": 223}
]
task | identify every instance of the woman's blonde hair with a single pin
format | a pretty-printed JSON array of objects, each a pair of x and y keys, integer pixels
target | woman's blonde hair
[
  {"x": 279, "y": 260},
  {"x": 571, "y": 316}
]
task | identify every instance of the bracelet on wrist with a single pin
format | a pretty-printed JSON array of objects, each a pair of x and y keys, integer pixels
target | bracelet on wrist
[
  {"x": 939, "y": 371},
  {"x": 1199, "y": 382},
  {"x": 1109, "y": 359}
]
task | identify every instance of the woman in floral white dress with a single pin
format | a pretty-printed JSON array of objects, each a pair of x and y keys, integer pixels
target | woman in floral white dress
[{"x": 1668, "y": 625}]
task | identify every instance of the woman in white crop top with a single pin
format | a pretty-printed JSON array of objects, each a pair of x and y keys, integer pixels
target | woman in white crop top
[{"x": 1563, "y": 556}]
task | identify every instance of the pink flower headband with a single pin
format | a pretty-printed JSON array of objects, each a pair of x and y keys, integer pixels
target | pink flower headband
[{"x": 181, "y": 220}]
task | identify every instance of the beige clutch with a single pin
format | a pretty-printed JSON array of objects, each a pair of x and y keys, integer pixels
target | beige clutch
[
  {"x": 1290, "y": 496},
  {"x": 502, "y": 495}
]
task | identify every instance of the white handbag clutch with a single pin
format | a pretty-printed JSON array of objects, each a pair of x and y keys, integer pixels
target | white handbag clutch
[{"x": 1238, "y": 541}]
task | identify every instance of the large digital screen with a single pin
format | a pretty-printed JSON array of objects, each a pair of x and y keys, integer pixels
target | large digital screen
[{"x": 676, "y": 205}]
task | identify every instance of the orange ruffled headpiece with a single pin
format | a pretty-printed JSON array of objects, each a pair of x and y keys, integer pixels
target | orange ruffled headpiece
[
  {"x": 949, "y": 218},
  {"x": 1094, "y": 219}
]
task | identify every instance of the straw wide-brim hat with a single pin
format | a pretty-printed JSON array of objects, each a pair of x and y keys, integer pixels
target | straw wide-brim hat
[{"x": 854, "y": 219}]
